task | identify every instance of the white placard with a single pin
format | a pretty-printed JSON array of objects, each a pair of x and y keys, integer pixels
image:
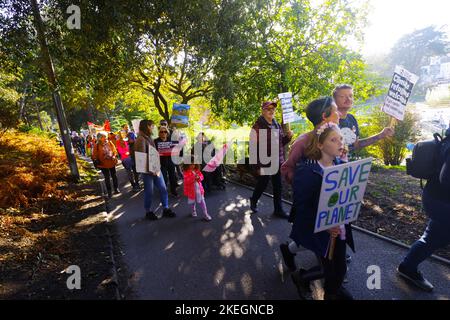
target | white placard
[
  {"x": 153, "y": 160},
  {"x": 141, "y": 162},
  {"x": 342, "y": 192},
  {"x": 150, "y": 163},
  {"x": 286, "y": 106},
  {"x": 399, "y": 92},
  {"x": 135, "y": 124}
]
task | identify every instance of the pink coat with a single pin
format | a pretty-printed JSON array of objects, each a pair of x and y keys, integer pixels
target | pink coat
[
  {"x": 123, "y": 150},
  {"x": 295, "y": 154},
  {"x": 189, "y": 186}
]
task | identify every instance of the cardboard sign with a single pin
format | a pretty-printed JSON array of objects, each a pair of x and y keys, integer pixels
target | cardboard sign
[
  {"x": 180, "y": 115},
  {"x": 286, "y": 105},
  {"x": 141, "y": 162},
  {"x": 342, "y": 192},
  {"x": 148, "y": 163},
  {"x": 399, "y": 92},
  {"x": 135, "y": 124}
]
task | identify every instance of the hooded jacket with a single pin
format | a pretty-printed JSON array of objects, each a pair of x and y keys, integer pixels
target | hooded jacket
[{"x": 306, "y": 186}]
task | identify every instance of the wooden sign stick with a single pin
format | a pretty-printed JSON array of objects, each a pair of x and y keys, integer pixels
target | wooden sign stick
[{"x": 331, "y": 250}]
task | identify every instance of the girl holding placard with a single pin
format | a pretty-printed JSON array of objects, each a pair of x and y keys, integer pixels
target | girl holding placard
[{"x": 325, "y": 147}]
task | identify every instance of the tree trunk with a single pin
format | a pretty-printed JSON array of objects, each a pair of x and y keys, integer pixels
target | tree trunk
[
  {"x": 39, "y": 116},
  {"x": 48, "y": 68}
]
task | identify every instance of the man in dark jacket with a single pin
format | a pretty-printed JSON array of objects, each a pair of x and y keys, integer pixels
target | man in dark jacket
[
  {"x": 436, "y": 203},
  {"x": 264, "y": 129}
]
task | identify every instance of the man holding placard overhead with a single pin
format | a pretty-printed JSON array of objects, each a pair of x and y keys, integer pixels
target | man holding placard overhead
[{"x": 343, "y": 96}]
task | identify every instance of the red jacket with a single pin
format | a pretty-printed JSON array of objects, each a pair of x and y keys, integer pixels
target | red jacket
[{"x": 189, "y": 179}]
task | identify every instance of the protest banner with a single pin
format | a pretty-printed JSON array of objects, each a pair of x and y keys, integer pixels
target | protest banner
[
  {"x": 399, "y": 92},
  {"x": 217, "y": 160},
  {"x": 135, "y": 123},
  {"x": 164, "y": 147},
  {"x": 148, "y": 163},
  {"x": 286, "y": 106},
  {"x": 94, "y": 129},
  {"x": 180, "y": 115},
  {"x": 342, "y": 192}
]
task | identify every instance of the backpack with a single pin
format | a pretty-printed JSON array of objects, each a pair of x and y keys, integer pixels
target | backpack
[{"x": 426, "y": 155}]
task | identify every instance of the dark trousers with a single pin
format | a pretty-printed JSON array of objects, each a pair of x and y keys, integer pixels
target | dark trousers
[
  {"x": 334, "y": 270},
  {"x": 107, "y": 173},
  {"x": 168, "y": 171},
  {"x": 261, "y": 184},
  {"x": 133, "y": 168},
  {"x": 436, "y": 236}
]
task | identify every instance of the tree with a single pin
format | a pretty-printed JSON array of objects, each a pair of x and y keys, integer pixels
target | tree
[
  {"x": 181, "y": 49},
  {"x": 9, "y": 102},
  {"x": 413, "y": 49},
  {"x": 297, "y": 47}
]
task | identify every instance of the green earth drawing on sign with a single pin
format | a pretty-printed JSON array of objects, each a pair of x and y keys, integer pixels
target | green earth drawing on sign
[{"x": 333, "y": 199}]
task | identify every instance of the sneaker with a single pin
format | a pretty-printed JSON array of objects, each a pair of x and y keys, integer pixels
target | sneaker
[
  {"x": 253, "y": 205},
  {"x": 207, "y": 218},
  {"x": 345, "y": 277},
  {"x": 302, "y": 285},
  {"x": 348, "y": 258},
  {"x": 281, "y": 214},
  {"x": 169, "y": 213},
  {"x": 116, "y": 191},
  {"x": 288, "y": 257},
  {"x": 151, "y": 215},
  {"x": 415, "y": 278},
  {"x": 194, "y": 214}
]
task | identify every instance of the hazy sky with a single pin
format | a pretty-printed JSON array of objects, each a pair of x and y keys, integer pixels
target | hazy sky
[{"x": 390, "y": 19}]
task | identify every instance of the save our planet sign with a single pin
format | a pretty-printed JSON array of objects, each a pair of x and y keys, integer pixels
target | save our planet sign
[{"x": 342, "y": 192}]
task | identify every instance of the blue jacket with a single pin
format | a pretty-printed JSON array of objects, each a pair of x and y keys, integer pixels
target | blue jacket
[{"x": 307, "y": 184}]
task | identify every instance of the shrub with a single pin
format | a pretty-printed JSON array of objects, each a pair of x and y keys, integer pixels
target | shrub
[
  {"x": 31, "y": 168},
  {"x": 391, "y": 150}
]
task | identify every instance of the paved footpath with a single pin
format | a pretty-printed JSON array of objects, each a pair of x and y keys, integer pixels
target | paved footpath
[{"x": 237, "y": 256}]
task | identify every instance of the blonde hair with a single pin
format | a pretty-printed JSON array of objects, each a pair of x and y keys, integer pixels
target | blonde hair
[{"x": 312, "y": 150}]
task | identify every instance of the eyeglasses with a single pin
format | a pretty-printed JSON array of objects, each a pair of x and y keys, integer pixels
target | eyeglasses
[{"x": 163, "y": 132}]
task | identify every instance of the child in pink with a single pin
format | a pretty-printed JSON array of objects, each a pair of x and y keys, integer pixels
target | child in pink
[
  {"x": 124, "y": 151},
  {"x": 193, "y": 189}
]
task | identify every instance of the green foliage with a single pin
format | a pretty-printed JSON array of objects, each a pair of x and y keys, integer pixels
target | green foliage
[
  {"x": 296, "y": 47},
  {"x": 9, "y": 100},
  {"x": 25, "y": 128},
  {"x": 134, "y": 59},
  {"x": 391, "y": 150}
]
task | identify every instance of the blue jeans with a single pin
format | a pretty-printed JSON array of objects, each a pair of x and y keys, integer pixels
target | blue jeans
[
  {"x": 149, "y": 180},
  {"x": 436, "y": 236}
]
